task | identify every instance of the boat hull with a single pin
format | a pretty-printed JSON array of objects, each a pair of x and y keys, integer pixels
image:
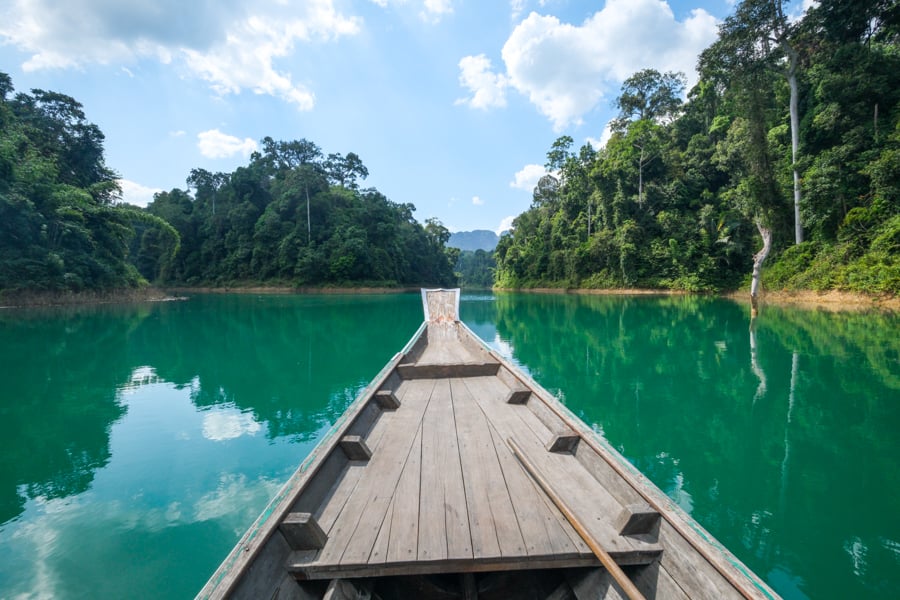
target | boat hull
[{"x": 444, "y": 480}]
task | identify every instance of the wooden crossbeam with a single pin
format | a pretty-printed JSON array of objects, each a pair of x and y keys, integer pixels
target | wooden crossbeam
[
  {"x": 355, "y": 447},
  {"x": 387, "y": 400},
  {"x": 302, "y": 532},
  {"x": 636, "y": 519},
  {"x": 518, "y": 395},
  {"x": 441, "y": 371},
  {"x": 563, "y": 441}
]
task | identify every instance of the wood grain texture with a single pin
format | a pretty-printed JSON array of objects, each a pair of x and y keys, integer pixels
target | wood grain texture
[
  {"x": 404, "y": 537},
  {"x": 355, "y": 531}
]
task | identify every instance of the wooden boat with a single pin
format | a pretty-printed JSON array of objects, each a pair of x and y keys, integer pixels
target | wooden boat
[{"x": 454, "y": 475}]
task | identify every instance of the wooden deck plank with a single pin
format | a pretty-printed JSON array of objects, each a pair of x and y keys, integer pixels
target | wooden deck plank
[
  {"x": 542, "y": 532},
  {"x": 574, "y": 538},
  {"x": 475, "y": 483},
  {"x": 353, "y": 536},
  {"x": 560, "y": 536},
  {"x": 404, "y": 535},
  {"x": 385, "y": 475},
  {"x": 380, "y": 547},
  {"x": 449, "y": 345},
  {"x": 485, "y": 485},
  {"x": 594, "y": 505},
  {"x": 327, "y": 513},
  {"x": 432, "y": 543},
  {"x": 456, "y": 512},
  {"x": 525, "y": 504}
]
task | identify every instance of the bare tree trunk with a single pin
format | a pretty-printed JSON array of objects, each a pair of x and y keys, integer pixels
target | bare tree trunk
[
  {"x": 758, "y": 259},
  {"x": 875, "y": 122},
  {"x": 795, "y": 140}
]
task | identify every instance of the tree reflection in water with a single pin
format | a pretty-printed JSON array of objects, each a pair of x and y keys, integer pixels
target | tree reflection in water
[{"x": 780, "y": 440}]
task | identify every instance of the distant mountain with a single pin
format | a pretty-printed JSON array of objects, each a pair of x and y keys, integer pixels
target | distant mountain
[{"x": 480, "y": 239}]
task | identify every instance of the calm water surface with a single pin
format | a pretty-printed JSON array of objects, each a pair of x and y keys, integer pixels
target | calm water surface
[{"x": 137, "y": 443}]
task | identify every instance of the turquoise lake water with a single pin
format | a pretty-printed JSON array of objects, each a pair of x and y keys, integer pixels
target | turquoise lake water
[{"x": 138, "y": 442}]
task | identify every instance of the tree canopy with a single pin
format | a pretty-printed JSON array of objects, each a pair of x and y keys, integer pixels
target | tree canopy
[
  {"x": 59, "y": 229},
  {"x": 291, "y": 216},
  {"x": 682, "y": 190}
]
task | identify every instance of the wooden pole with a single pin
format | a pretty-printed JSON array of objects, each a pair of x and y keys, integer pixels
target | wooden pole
[{"x": 605, "y": 559}]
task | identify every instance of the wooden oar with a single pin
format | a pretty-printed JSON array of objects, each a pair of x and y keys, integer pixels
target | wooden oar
[{"x": 605, "y": 559}]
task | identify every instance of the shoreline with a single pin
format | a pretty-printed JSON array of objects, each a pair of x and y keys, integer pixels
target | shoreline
[
  {"x": 40, "y": 299},
  {"x": 268, "y": 289},
  {"x": 831, "y": 300}
]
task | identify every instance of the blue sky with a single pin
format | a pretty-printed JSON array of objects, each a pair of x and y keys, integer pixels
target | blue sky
[{"x": 452, "y": 105}]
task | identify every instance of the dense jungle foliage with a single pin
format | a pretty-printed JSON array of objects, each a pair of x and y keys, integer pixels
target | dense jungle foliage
[
  {"x": 791, "y": 136},
  {"x": 683, "y": 192},
  {"x": 59, "y": 228},
  {"x": 292, "y": 216},
  {"x": 475, "y": 269}
]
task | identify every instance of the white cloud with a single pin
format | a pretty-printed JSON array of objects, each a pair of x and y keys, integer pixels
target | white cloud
[
  {"x": 527, "y": 178},
  {"x": 565, "y": 69},
  {"x": 505, "y": 224},
  {"x": 245, "y": 59},
  {"x": 215, "y": 144},
  {"x": 228, "y": 424},
  {"x": 223, "y": 43},
  {"x": 599, "y": 144},
  {"x": 488, "y": 89},
  {"x": 178, "y": 133},
  {"x": 430, "y": 11},
  {"x": 234, "y": 499},
  {"x": 137, "y": 194},
  {"x": 435, "y": 10},
  {"x": 477, "y": 201}
]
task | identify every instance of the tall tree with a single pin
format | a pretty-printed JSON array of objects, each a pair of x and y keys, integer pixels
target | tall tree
[
  {"x": 649, "y": 95},
  {"x": 759, "y": 35},
  {"x": 647, "y": 100},
  {"x": 345, "y": 170},
  {"x": 559, "y": 153}
]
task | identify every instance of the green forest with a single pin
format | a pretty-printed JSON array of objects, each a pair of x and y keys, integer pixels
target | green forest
[
  {"x": 780, "y": 168},
  {"x": 295, "y": 217},
  {"x": 292, "y": 216},
  {"x": 787, "y": 148}
]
